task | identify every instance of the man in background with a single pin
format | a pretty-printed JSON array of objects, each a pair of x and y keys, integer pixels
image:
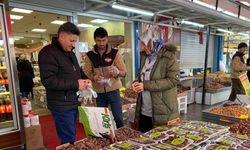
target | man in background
[
  {"x": 25, "y": 76},
  {"x": 238, "y": 67}
]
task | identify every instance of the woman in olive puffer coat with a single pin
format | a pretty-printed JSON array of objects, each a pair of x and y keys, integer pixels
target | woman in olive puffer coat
[{"x": 157, "y": 83}]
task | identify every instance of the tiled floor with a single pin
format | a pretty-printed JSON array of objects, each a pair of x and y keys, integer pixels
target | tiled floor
[{"x": 194, "y": 112}]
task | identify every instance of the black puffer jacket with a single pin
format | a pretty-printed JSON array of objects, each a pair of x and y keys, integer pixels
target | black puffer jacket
[{"x": 59, "y": 71}]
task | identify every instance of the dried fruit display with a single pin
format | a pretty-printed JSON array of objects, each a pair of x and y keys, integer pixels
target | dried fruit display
[
  {"x": 240, "y": 137},
  {"x": 242, "y": 128},
  {"x": 181, "y": 88},
  {"x": 161, "y": 129},
  {"x": 126, "y": 145},
  {"x": 155, "y": 135},
  {"x": 177, "y": 131},
  {"x": 227, "y": 141},
  {"x": 178, "y": 142},
  {"x": 92, "y": 143},
  {"x": 235, "y": 110},
  {"x": 130, "y": 93},
  {"x": 246, "y": 144},
  {"x": 143, "y": 140},
  {"x": 205, "y": 130},
  {"x": 163, "y": 146},
  {"x": 219, "y": 147},
  {"x": 197, "y": 138},
  {"x": 214, "y": 85},
  {"x": 124, "y": 133},
  {"x": 189, "y": 127}
]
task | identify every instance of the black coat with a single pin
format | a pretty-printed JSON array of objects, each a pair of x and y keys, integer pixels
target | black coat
[
  {"x": 60, "y": 71},
  {"x": 25, "y": 75}
]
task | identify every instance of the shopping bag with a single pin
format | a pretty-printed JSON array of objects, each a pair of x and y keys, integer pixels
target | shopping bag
[
  {"x": 97, "y": 122},
  {"x": 245, "y": 83}
]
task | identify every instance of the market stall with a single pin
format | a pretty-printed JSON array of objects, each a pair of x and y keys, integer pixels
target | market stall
[{"x": 185, "y": 135}]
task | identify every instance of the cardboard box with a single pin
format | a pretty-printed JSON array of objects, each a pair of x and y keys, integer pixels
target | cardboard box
[
  {"x": 33, "y": 132},
  {"x": 35, "y": 143}
]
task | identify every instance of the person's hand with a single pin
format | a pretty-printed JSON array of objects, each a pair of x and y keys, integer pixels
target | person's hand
[
  {"x": 98, "y": 78},
  {"x": 248, "y": 68},
  {"x": 113, "y": 71},
  {"x": 138, "y": 87},
  {"x": 83, "y": 83}
]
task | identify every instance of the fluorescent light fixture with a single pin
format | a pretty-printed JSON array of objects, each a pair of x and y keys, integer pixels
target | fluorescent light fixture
[
  {"x": 227, "y": 12},
  {"x": 131, "y": 9},
  {"x": 226, "y": 31},
  {"x": 192, "y": 23},
  {"x": 39, "y": 30},
  {"x": 12, "y": 22},
  {"x": 60, "y": 22},
  {"x": 243, "y": 34},
  {"x": 18, "y": 37},
  {"x": 245, "y": 3},
  {"x": 16, "y": 17},
  {"x": 98, "y": 21},
  {"x": 19, "y": 10},
  {"x": 245, "y": 18},
  {"x": 204, "y": 4},
  {"x": 83, "y": 25}
]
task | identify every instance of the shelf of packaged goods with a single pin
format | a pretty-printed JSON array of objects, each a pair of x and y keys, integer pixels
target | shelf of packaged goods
[
  {"x": 6, "y": 124},
  {"x": 4, "y": 93},
  {"x": 3, "y": 67}
]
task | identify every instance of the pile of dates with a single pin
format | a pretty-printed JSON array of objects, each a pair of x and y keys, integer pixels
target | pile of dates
[
  {"x": 87, "y": 144},
  {"x": 242, "y": 128},
  {"x": 130, "y": 93},
  {"x": 124, "y": 133}
]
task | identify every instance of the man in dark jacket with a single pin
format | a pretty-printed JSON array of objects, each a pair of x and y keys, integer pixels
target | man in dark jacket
[
  {"x": 25, "y": 76},
  {"x": 62, "y": 77}
]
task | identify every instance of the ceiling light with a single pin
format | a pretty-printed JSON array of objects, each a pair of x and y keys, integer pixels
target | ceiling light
[
  {"x": 227, "y": 12},
  {"x": 39, "y": 30},
  {"x": 204, "y": 4},
  {"x": 131, "y": 9},
  {"x": 83, "y": 25},
  {"x": 60, "y": 22},
  {"x": 245, "y": 3},
  {"x": 16, "y": 17},
  {"x": 25, "y": 11},
  {"x": 12, "y": 22},
  {"x": 243, "y": 34},
  {"x": 244, "y": 18},
  {"x": 192, "y": 23},
  {"x": 226, "y": 31},
  {"x": 18, "y": 37},
  {"x": 99, "y": 21}
]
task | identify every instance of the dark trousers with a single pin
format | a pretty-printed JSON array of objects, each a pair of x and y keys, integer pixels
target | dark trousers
[
  {"x": 237, "y": 88},
  {"x": 25, "y": 94},
  {"x": 66, "y": 125},
  {"x": 114, "y": 100},
  {"x": 145, "y": 123}
]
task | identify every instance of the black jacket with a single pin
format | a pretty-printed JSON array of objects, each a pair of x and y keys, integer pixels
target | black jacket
[
  {"x": 25, "y": 75},
  {"x": 60, "y": 71}
]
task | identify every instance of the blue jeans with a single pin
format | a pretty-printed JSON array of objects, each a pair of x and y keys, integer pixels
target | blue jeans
[
  {"x": 66, "y": 125},
  {"x": 114, "y": 100},
  {"x": 25, "y": 94}
]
